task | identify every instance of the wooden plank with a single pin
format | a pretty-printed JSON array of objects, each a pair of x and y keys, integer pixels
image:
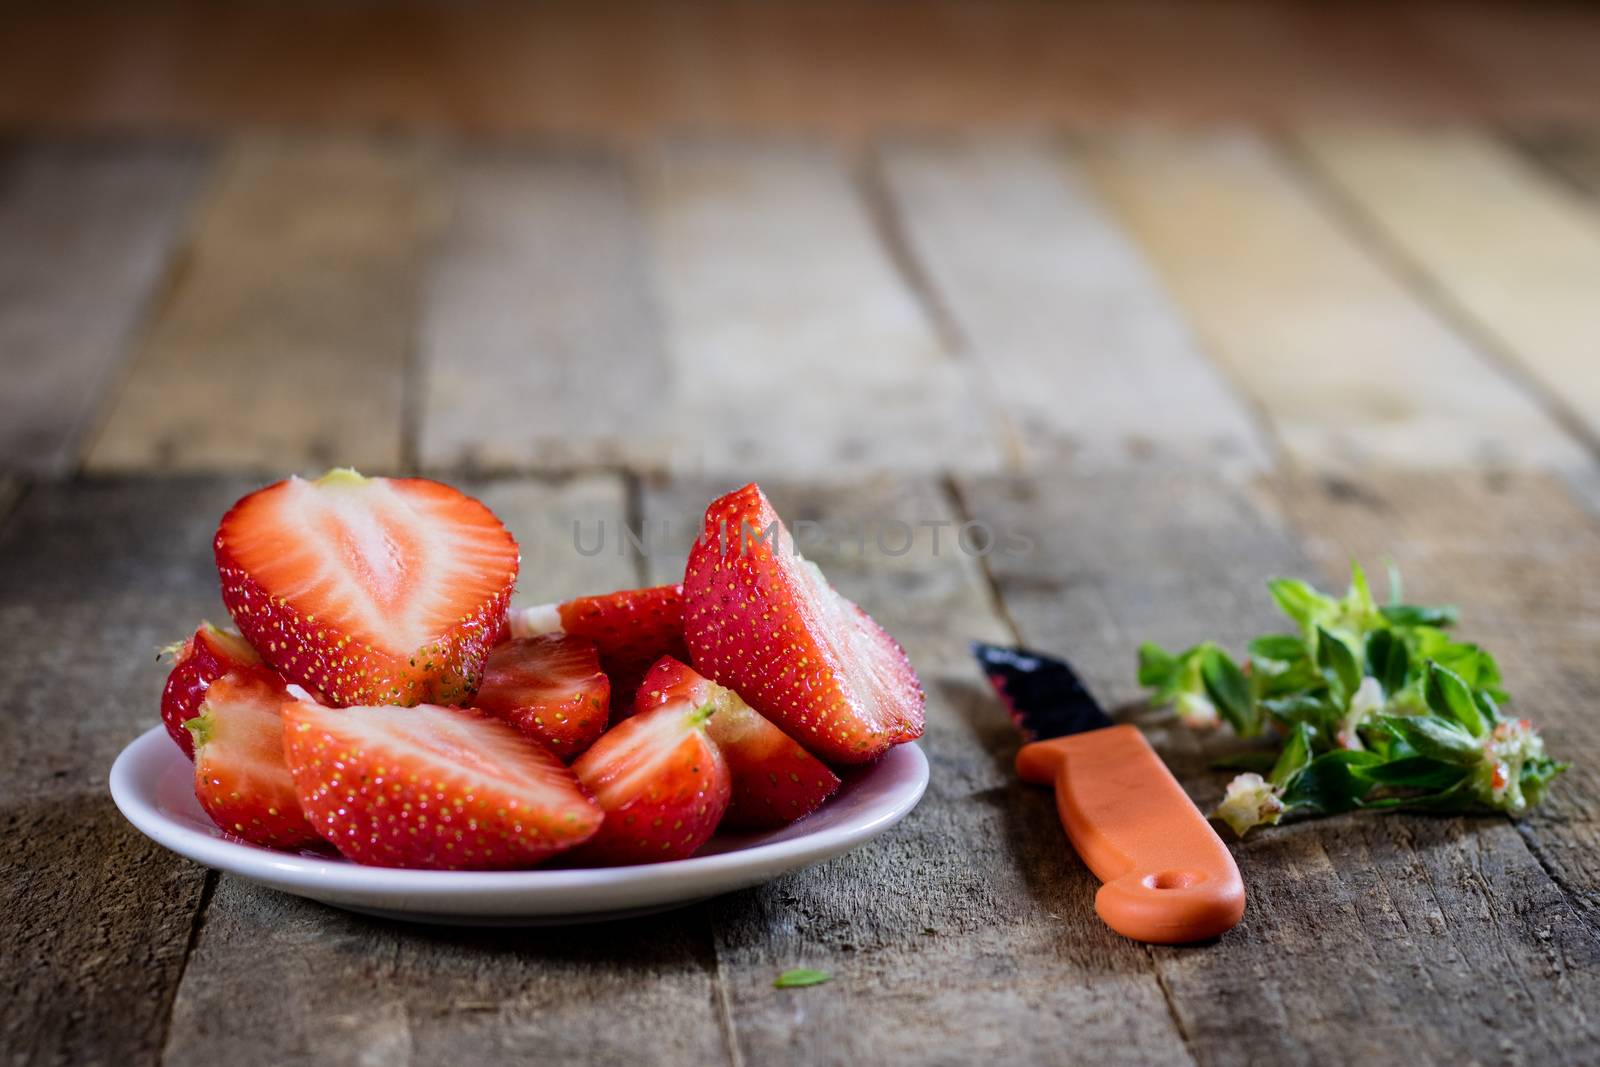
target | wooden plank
[
  {"x": 967, "y": 932},
  {"x": 1512, "y": 254},
  {"x": 1367, "y": 939},
  {"x": 794, "y": 346},
  {"x": 1347, "y": 366},
  {"x": 284, "y": 344},
  {"x": 1082, "y": 347},
  {"x": 86, "y": 232},
  {"x": 630, "y": 70},
  {"x": 1521, "y": 560},
  {"x": 540, "y": 345},
  {"x": 1572, "y": 154},
  {"x": 94, "y": 919},
  {"x": 352, "y": 990}
]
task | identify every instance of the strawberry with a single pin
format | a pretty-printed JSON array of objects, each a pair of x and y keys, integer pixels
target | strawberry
[
  {"x": 761, "y": 620},
  {"x": 775, "y": 781},
  {"x": 240, "y": 777},
  {"x": 196, "y": 663},
  {"x": 661, "y": 781},
  {"x": 632, "y": 629},
  {"x": 551, "y": 688},
  {"x": 368, "y": 590},
  {"x": 432, "y": 787}
]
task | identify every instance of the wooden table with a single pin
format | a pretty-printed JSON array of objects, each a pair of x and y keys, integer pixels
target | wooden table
[{"x": 1176, "y": 364}]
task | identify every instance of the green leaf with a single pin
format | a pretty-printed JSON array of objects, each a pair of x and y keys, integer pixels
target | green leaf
[
  {"x": 1436, "y": 738},
  {"x": 1300, "y": 602},
  {"x": 1329, "y": 784},
  {"x": 1536, "y": 776},
  {"x": 1415, "y": 772},
  {"x": 799, "y": 977},
  {"x": 1280, "y": 648},
  {"x": 1388, "y": 661},
  {"x": 1416, "y": 615},
  {"x": 1157, "y": 666},
  {"x": 1450, "y": 698},
  {"x": 1338, "y": 662},
  {"x": 1229, "y": 690},
  {"x": 1296, "y": 754}
]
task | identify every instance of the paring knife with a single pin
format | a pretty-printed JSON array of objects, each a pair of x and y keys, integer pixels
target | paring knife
[{"x": 1168, "y": 878}]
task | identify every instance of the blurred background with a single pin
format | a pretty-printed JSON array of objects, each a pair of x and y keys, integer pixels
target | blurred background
[{"x": 794, "y": 238}]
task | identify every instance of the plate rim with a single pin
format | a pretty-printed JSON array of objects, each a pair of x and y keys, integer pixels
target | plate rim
[{"x": 336, "y": 880}]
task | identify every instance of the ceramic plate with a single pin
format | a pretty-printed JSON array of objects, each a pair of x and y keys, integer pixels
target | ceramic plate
[{"x": 153, "y": 785}]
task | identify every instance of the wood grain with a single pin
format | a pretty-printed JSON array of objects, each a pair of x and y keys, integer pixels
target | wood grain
[
  {"x": 1571, "y": 154},
  {"x": 1347, "y": 366},
  {"x": 1082, "y": 347},
  {"x": 795, "y": 348},
  {"x": 1510, "y": 252},
  {"x": 967, "y": 931},
  {"x": 1444, "y": 937},
  {"x": 540, "y": 343},
  {"x": 347, "y": 989},
  {"x": 94, "y": 918},
  {"x": 1517, "y": 556},
  {"x": 86, "y": 235},
  {"x": 284, "y": 343}
]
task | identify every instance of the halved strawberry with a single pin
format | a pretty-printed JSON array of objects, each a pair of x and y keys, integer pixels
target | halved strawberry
[
  {"x": 662, "y": 782},
  {"x": 760, "y": 619},
  {"x": 551, "y": 688},
  {"x": 196, "y": 663},
  {"x": 775, "y": 781},
  {"x": 432, "y": 787},
  {"x": 240, "y": 776},
  {"x": 632, "y": 628},
  {"x": 368, "y": 590}
]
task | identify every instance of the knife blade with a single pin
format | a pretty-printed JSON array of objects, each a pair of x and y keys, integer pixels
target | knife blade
[{"x": 1166, "y": 876}]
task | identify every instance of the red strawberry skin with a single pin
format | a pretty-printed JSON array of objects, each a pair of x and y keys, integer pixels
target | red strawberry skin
[
  {"x": 551, "y": 688},
  {"x": 434, "y": 788},
  {"x": 762, "y": 621},
  {"x": 240, "y": 777},
  {"x": 368, "y": 590},
  {"x": 632, "y": 628},
  {"x": 774, "y": 781},
  {"x": 197, "y": 662},
  {"x": 662, "y": 782}
]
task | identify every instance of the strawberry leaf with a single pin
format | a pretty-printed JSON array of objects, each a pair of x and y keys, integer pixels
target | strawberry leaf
[{"x": 800, "y": 977}]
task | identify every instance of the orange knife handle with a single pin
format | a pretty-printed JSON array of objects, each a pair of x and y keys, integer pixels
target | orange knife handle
[{"x": 1168, "y": 876}]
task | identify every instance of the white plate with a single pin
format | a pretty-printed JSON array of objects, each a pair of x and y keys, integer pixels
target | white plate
[{"x": 153, "y": 785}]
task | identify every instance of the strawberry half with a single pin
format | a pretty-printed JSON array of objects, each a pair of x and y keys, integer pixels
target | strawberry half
[
  {"x": 240, "y": 777},
  {"x": 662, "y": 782},
  {"x": 196, "y": 663},
  {"x": 775, "y": 781},
  {"x": 632, "y": 628},
  {"x": 761, "y": 620},
  {"x": 368, "y": 590},
  {"x": 551, "y": 688},
  {"x": 432, "y": 787}
]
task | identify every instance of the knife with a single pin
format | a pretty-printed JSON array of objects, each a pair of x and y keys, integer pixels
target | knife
[{"x": 1167, "y": 877}]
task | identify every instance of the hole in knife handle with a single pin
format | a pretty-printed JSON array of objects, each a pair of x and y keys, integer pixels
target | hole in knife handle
[{"x": 1173, "y": 879}]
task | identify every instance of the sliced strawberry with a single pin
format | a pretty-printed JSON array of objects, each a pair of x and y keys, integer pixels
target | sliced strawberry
[
  {"x": 775, "y": 781},
  {"x": 661, "y": 781},
  {"x": 632, "y": 628},
  {"x": 551, "y": 688},
  {"x": 433, "y": 787},
  {"x": 368, "y": 590},
  {"x": 196, "y": 663},
  {"x": 761, "y": 620},
  {"x": 240, "y": 776}
]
